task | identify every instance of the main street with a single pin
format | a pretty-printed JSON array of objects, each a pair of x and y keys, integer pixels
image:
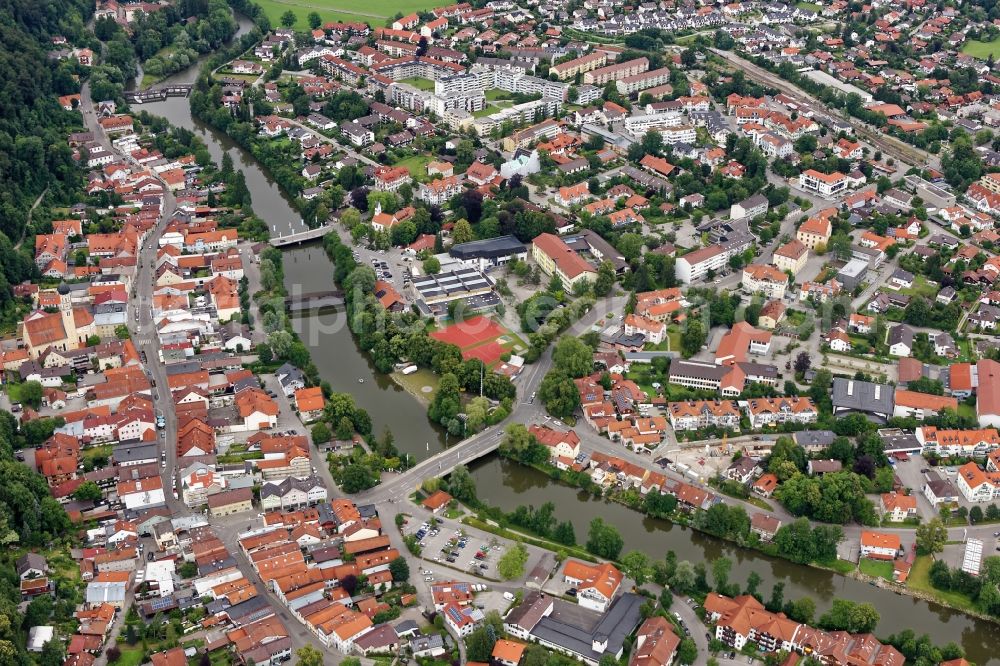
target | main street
[{"x": 143, "y": 332}]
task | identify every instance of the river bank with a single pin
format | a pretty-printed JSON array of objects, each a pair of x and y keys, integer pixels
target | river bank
[{"x": 505, "y": 484}]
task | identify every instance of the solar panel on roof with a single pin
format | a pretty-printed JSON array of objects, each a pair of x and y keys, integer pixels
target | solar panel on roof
[{"x": 161, "y": 603}]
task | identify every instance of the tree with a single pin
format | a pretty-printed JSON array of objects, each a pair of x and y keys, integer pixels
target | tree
[
  {"x": 447, "y": 401},
  {"x": 314, "y": 20},
  {"x": 635, "y": 565},
  {"x": 31, "y": 394},
  {"x": 850, "y": 616},
  {"x": 802, "y": 363},
  {"x": 693, "y": 338},
  {"x": 511, "y": 564},
  {"x": 605, "y": 281},
  {"x": 479, "y": 644},
  {"x": 975, "y": 515},
  {"x": 687, "y": 651},
  {"x": 321, "y": 433},
  {"x": 559, "y": 394},
  {"x": 461, "y": 485},
  {"x": 88, "y": 491},
  {"x": 399, "y": 569},
  {"x": 355, "y": 478},
  {"x": 684, "y": 579},
  {"x": 604, "y": 540},
  {"x": 431, "y": 266},
  {"x": 573, "y": 357},
  {"x": 721, "y": 566},
  {"x": 309, "y": 656},
  {"x": 652, "y": 142},
  {"x": 288, "y": 19},
  {"x": 931, "y": 537},
  {"x": 462, "y": 232},
  {"x": 801, "y": 610},
  {"x": 564, "y": 533}
]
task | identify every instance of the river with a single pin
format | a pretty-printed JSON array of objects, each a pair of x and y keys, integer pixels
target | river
[
  {"x": 269, "y": 202},
  {"x": 506, "y": 485},
  {"x": 341, "y": 362}
]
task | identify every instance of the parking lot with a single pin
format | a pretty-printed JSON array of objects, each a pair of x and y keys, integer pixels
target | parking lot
[
  {"x": 456, "y": 549},
  {"x": 390, "y": 266}
]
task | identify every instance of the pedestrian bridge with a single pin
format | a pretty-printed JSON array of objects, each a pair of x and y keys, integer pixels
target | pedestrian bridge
[
  {"x": 159, "y": 93},
  {"x": 301, "y": 236},
  {"x": 314, "y": 300}
]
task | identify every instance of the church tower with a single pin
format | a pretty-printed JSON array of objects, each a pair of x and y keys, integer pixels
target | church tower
[{"x": 68, "y": 320}]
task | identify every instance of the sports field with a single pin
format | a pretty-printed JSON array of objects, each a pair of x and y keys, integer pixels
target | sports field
[
  {"x": 374, "y": 12},
  {"x": 480, "y": 337}
]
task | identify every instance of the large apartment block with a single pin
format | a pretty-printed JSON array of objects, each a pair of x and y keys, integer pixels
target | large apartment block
[
  {"x": 587, "y": 63},
  {"x": 599, "y": 77},
  {"x": 633, "y": 84}
]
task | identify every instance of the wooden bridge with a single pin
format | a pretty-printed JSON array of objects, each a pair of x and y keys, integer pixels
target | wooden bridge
[
  {"x": 314, "y": 300},
  {"x": 158, "y": 94},
  {"x": 302, "y": 236}
]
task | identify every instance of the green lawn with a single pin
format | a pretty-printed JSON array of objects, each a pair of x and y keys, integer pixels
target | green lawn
[
  {"x": 130, "y": 656},
  {"x": 419, "y": 83},
  {"x": 491, "y": 108},
  {"x": 416, "y": 165},
  {"x": 415, "y": 382},
  {"x": 876, "y": 568},
  {"x": 922, "y": 287},
  {"x": 97, "y": 451},
  {"x": 982, "y": 49},
  {"x": 919, "y": 579},
  {"x": 812, "y": 6},
  {"x": 494, "y": 94},
  {"x": 373, "y": 12}
]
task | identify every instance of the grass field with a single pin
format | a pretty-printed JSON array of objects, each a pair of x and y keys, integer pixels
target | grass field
[
  {"x": 419, "y": 83},
  {"x": 373, "y": 12},
  {"x": 812, "y": 6},
  {"x": 417, "y": 166},
  {"x": 982, "y": 49}
]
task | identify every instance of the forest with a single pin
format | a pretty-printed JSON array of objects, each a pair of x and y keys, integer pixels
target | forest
[{"x": 34, "y": 155}]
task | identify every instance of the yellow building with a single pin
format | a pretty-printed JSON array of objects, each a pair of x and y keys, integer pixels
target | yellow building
[
  {"x": 791, "y": 256},
  {"x": 554, "y": 257}
]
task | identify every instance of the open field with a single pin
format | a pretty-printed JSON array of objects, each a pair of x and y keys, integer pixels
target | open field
[
  {"x": 373, "y": 12},
  {"x": 812, "y": 6},
  {"x": 982, "y": 49}
]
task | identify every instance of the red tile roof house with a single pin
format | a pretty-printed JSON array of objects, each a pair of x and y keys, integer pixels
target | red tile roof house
[
  {"x": 437, "y": 501},
  {"x": 879, "y": 545}
]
